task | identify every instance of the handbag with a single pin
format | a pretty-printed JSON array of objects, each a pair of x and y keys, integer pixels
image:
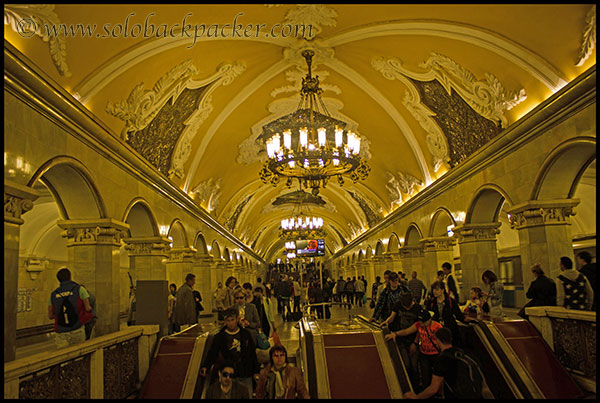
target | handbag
[
  {"x": 262, "y": 342},
  {"x": 485, "y": 307}
]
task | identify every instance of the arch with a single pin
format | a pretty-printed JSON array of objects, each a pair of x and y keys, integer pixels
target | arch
[
  {"x": 348, "y": 260},
  {"x": 486, "y": 205},
  {"x": 72, "y": 186},
  {"x": 353, "y": 260},
  {"x": 141, "y": 219},
  {"x": 200, "y": 244},
  {"x": 413, "y": 235},
  {"x": 440, "y": 221},
  {"x": 226, "y": 254},
  {"x": 379, "y": 248},
  {"x": 369, "y": 253},
  {"x": 178, "y": 234},
  {"x": 562, "y": 169},
  {"x": 361, "y": 255},
  {"x": 393, "y": 243},
  {"x": 215, "y": 250}
]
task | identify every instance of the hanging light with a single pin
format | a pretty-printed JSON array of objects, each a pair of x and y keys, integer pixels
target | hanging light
[{"x": 315, "y": 146}]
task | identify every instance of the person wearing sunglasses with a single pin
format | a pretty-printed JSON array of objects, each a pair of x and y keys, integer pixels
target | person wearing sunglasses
[
  {"x": 249, "y": 318},
  {"x": 278, "y": 380},
  {"x": 227, "y": 387}
]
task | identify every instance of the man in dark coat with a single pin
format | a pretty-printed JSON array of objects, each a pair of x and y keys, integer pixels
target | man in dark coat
[
  {"x": 234, "y": 344},
  {"x": 542, "y": 291},
  {"x": 589, "y": 270}
]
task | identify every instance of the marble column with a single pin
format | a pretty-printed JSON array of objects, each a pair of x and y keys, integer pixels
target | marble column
[
  {"x": 147, "y": 257},
  {"x": 544, "y": 233},
  {"x": 93, "y": 255},
  {"x": 147, "y": 265},
  {"x": 478, "y": 252},
  {"x": 436, "y": 250},
  {"x": 179, "y": 264},
  {"x": 412, "y": 260},
  {"x": 202, "y": 269},
  {"x": 18, "y": 200}
]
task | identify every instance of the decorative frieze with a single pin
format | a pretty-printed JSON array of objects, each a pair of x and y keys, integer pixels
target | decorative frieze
[
  {"x": 535, "y": 213},
  {"x": 412, "y": 251},
  {"x": 18, "y": 200},
  {"x": 153, "y": 246},
  {"x": 431, "y": 244},
  {"x": 588, "y": 42},
  {"x": 476, "y": 232},
  {"x": 181, "y": 255},
  {"x": 104, "y": 231}
]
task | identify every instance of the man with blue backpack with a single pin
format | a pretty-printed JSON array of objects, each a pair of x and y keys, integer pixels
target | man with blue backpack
[
  {"x": 455, "y": 374},
  {"x": 70, "y": 308}
]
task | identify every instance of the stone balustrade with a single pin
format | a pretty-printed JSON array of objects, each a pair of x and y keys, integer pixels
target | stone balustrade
[
  {"x": 110, "y": 366},
  {"x": 571, "y": 334}
]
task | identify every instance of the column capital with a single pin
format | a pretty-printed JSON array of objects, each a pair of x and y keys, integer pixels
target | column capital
[
  {"x": 535, "y": 213},
  {"x": 148, "y": 246},
  {"x": 203, "y": 258},
  {"x": 411, "y": 251},
  {"x": 181, "y": 255},
  {"x": 476, "y": 232},
  {"x": 437, "y": 243},
  {"x": 18, "y": 200},
  {"x": 97, "y": 231}
]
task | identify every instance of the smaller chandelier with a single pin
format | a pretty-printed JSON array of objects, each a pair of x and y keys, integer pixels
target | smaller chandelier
[
  {"x": 309, "y": 145},
  {"x": 301, "y": 226}
]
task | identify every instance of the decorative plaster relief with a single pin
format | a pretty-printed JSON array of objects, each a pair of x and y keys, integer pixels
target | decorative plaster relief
[
  {"x": 33, "y": 19},
  {"x": 372, "y": 213},
  {"x": 232, "y": 220},
  {"x": 208, "y": 193},
  {"x": 14, "y": 207},
  {"x": 316, "y": 15},
  {"x": 488, "y": 98},
  {"x": 538, "y": 216},
  {"x": 589, "y": 37},
  {"x": 143, "y": 107},
  {"x": 403, "y": 183}
]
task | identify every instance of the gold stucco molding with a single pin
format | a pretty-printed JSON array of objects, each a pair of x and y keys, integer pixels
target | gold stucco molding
[
  {"x": 476, "y": 232},
  {"x": 316, "y": 15},
  {"x": 433, "y": 244},
  {"x": 39, "y": 19},
  {"x": 147, "y": 246},
  {"x": 400, "y": 183},
  {"x": 103, "y": 231},
  {"x": 18, "y": 200},
  {"x": 181, "y": 255},
  {"x": 208, "y": 193},
  {"x": 589, "y": 37},
  {"x": 412, "y": 251},
  {"x": 142, "y": 105},
  {"x": 535, "y": 213}
]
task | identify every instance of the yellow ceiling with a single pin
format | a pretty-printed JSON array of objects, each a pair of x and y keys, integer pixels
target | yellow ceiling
[{"x": 530, "y": 47}]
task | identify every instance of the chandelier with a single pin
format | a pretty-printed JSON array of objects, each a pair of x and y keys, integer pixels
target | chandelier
[
  {"x": 309, "y": 145},
  {"x": 301, "y": 226}
]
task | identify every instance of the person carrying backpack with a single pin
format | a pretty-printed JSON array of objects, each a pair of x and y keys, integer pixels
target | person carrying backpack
[
  {"x": 573, "y": 290},
  {"x": 455, "y": 375},
  {"x": 70, "y": 308}
]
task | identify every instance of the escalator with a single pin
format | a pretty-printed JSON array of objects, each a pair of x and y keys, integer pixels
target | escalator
[
  {"x": 517, "y": 362},
  {"x": 350, "y": 359},
  {"x": 173, "y": 372}
]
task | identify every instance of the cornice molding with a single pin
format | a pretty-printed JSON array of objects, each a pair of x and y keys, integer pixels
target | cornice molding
[{"x": 32, "y": 86}]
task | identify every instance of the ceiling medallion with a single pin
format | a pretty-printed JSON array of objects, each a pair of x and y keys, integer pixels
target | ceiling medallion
[{"x": 310, "y": 145}]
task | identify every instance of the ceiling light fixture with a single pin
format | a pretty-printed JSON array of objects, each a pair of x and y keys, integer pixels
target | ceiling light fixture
[{"x": 310, "y": 145}]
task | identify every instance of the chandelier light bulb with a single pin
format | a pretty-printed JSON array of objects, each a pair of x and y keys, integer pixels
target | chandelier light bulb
[
  {"x": 292, "y": 163},
  {"x": 336, "y": 162},
  {"x": 276, "y": 143},
  {"x": 339, "y": 136},
  {"x": 306, "y": 164},
  {"x": 303, "y": 137},
  {"x": 322, "y": 136},
  {"x": 311, "y": 146},
  {"x": 270, "y": 151},
  {"x": 287, "y": 139}
]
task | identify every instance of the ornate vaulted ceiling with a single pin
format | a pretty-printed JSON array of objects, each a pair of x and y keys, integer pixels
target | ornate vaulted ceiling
[{"x": 424, "y": 85}]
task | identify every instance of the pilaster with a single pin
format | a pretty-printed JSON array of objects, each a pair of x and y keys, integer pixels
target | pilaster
[
  {"x": 93, "y": 251},
  {"x": 436, "y": 250},
  {"x": 412, "y": 260},
  {"x": 179, "y": 264},
  {"x": 147, "y": 257},
  {"x": 544, "y": 233},
  {"x": 18, "y": 200}
]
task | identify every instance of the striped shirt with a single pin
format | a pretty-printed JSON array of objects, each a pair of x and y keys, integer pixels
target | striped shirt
[{"x": 416, "y": 288}]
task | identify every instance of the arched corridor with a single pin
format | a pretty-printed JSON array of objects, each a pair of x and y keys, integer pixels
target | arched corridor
[{"x": 365, "y": 140}]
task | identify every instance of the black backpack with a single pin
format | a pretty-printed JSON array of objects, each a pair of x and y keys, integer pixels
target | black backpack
[
  {"x": 67, "y": 314},
  {"x": 469, "y": 378},
  {"x": 574, "y": 292}
]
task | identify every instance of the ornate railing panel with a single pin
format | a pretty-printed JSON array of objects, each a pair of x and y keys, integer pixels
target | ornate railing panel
[
  {"x": 575, "y": 345},
  {"x": 67, "y": 380},
  {"x": 121, "y": 369}
]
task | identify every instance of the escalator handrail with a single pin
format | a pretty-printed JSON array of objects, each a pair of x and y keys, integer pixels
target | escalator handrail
[
  {"x": 311, "y": 366},
  {"x": 202, "y": 383}
]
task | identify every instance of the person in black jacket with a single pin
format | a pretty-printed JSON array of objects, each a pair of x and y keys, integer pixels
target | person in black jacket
[
  {"x": 235, "y": 344},
  {"x": 451, "y": 281},
  {"x": 446, "y": 310},
  {"x": 542, "y": 291},
  {"x": 588, "y": 268}
]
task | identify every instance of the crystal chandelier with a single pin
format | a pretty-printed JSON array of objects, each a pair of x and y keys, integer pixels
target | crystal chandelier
[
  {"x": 309, "y": 145},
  {"x": 301, "y": 226}
]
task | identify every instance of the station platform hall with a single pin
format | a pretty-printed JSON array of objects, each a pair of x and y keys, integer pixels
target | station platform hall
[{"x": 320, "y": 201}]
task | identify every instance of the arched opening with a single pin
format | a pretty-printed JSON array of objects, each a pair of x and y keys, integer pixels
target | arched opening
[
  {"x": 177, "y": 234},
  {"x": 227, "y": 255},
  {"x": 393, "y": 243},
  {"x": 413, "y": 235},
  {"x": 440, "y": 222},
  {"x": 200, "y": 244},
  {"x": 379, "y": 248},
  {"x": 215, "y": 250}
]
